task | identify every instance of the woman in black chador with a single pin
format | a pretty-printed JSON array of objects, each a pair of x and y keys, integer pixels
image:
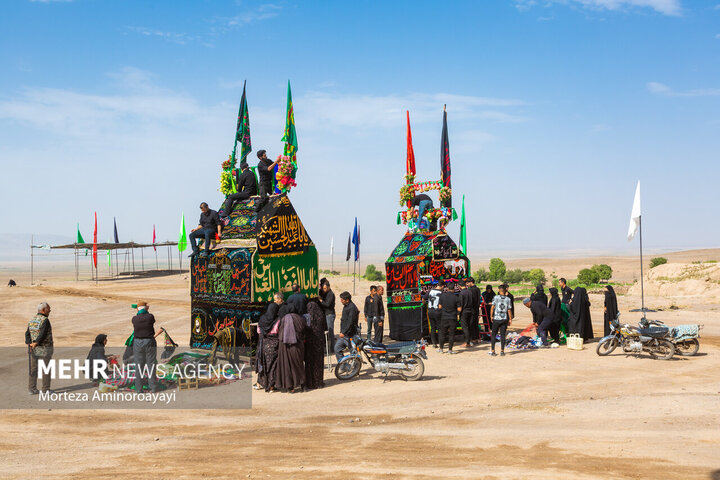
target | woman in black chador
[
  {"x": 580, "y": 321},
  {"x": 315, "y": 346},
  {"x": 611, "y": 308}
]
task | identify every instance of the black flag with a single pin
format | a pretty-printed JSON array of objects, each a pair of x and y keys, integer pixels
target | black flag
[
  {"x": 347, "y": 257},
  {"x": 445, "y": 158}
]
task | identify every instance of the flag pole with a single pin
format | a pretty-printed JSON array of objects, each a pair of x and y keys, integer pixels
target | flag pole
[
  {"x": 32, "y": 261},
  {"x": 354, "y": 261},
  {"x": 642, "y": 281}
]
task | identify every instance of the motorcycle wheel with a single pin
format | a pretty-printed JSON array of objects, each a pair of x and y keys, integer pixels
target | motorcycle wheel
[
  {"x": 663, "y": 351},
  {"x": 606, "y": 347},
  {"x": 688, "y": 348},
  {"x": 348, "y": 368},
  {"x": 417, "y": 368}
]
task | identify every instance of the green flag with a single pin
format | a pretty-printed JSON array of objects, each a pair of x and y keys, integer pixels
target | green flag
[
  {"x": 109, "y": 254},
  {"x": 182, "y": 241},
  {"x": 463, "y": 230},
  {"x": 242, "y": 131},
  {"x": 79, "y": 235},
  {"x": 290, "y": 137}
]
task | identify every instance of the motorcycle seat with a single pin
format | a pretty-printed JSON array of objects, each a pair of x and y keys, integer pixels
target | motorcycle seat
[{"x": 654, "y": 331}]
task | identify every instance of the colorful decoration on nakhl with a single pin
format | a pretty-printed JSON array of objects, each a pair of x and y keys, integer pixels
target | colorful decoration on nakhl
[
  {"x": 287, "y": 167},
  {"x": 424, "y": 255},
  {"x": 437, "y": 217},
  {"x": 260, "y": 253}
]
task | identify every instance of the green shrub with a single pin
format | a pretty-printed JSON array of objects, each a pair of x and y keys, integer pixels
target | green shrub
[
  {"x": 587, "y": 276},
  {"x": 482, "y": 275},
  {"x": 497, "y": 269},
  {"x": 513, "y": 276},
  {"x": 604, "y": 272},
  {"x": 536, "y": 276},
  {"x": 372, "y": 274},
  {"x": 654, "y": 262}
]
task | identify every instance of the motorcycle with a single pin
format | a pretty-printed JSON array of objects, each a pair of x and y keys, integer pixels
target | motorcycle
[
  {"x": 403, "y": 358},
  {"x": 652, "y": 339},
  {"x": 683, "y": 337}
]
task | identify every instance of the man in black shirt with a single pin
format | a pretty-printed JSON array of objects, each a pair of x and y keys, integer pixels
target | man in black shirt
[
  {"x": 466, "y": 311},
  {"x": 477, "y": 300},
  {"x": 545, "y": 316},
  {"x": 348, "y": 324},
  {"x": 265, "y": 172},
  {"x": 511, "y": 297},
  {"x": 381, "y": 314},
  {"x": 449, "y": 309},
  {"x": 371, "y": 310},
  {"x": 144, "y": 348},
  {"x": 327, "y": 302},
  {"x": 567, "y": 292},
  {"x": 297, "y": 302},
  {"x": 208, "y": 225},
  {"x": 246, "y": 188}
]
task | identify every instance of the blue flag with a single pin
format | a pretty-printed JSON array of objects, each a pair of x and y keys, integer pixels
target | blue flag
[
  {"x": 115, "y": 231},
  {"x": 356, "y": 240}
]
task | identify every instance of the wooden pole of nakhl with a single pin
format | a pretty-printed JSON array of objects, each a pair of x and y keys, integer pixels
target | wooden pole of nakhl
[
  {"x": 77, "y": 276},
  {"x": 132, "y": 254}
]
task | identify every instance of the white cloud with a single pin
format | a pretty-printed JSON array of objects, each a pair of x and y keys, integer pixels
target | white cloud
[
  {"x": 168, "y": 146},
  {"x": 662, "y": 89},
  {"x": 665, "y": 7},
  {"x": 172, "y": 37}
]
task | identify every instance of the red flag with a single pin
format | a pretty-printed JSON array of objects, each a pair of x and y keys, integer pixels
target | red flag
[
  {"x": 410, "y": 152},
  {"x": 95, "y": 243},
  {"x": 154, "y": 247}
]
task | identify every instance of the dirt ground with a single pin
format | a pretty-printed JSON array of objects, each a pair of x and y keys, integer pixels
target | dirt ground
[{"x": 545, "y": 414}]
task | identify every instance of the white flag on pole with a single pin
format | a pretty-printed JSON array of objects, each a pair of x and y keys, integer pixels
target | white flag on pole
[
  {"x": 635, "y": 215},
  {"x": 332, "y": 245}
]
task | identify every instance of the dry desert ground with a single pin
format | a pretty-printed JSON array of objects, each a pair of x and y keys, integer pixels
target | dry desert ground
[{"x": 542, "y": 414}]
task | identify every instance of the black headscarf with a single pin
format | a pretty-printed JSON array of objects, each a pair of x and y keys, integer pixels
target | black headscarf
[
  {"x": 611, "y": 308},
  {"x": 580, "y": 321},
  {"x": 555, "y": 304},
  {"x": 488, "y": 294},
  {"x": 267, "y": 319},
  {"x": 97, "y": 351},
  {"x": 539, "y": 295}
]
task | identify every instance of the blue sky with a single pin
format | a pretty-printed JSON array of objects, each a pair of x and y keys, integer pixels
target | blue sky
[{"x": 555, "y": 110}]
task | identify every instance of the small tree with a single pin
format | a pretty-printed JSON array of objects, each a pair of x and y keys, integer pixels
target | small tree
[
  {"x": 587, "y": 276},
  {"x": 497, "y": 269},
  {"x": 372, "y": 274},
  {"x": 603, "y": 271},
  {"x": 654, "y": 262},
  {"x": 482, "y": 275},
  {"x": 537, "y": 276}
]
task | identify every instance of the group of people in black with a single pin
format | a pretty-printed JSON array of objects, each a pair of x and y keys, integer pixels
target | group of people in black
[
  {"x": 211, "y": 223},
  {"x": 463, "y": 301},
  {"x": 291, "y": 344}
]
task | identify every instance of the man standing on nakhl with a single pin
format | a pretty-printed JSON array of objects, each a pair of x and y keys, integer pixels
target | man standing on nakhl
[
  {"x": 246, "y": 188},
  {"x": 265, "y": 170},
  {"x": 144, "y": 348},
  {"x": 39, "y": 340},
  {"x": 208, "y": 225}
]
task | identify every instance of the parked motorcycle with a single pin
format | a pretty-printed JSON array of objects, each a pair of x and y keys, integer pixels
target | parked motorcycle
[
  {"x": 652, "y": 340},
  {"x": 403, "y": 358},
  {"x": 683, "y": 337}
]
